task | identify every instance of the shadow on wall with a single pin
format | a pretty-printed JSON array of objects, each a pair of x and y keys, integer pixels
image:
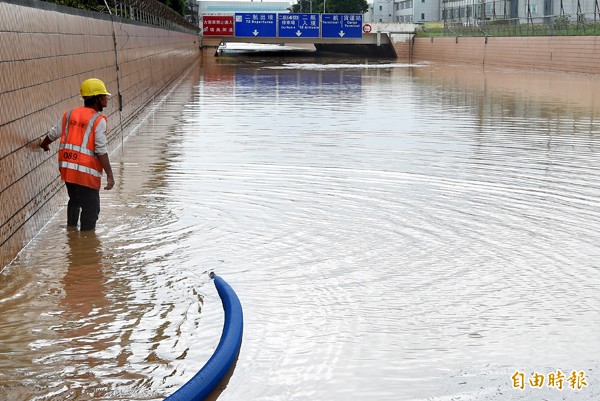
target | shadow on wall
[{"x": 46, "y": 51}]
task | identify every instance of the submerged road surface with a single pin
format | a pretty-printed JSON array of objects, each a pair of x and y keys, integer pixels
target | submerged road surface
[{"x": 395, "y": 232}]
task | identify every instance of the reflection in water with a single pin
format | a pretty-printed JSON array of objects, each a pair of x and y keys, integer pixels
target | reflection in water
[
  {"x": 85, "y": 304},
  {"x": 83, "y": 283},
  {"x": 394, "y": 233},
  {"x": 86, "y": 313}
]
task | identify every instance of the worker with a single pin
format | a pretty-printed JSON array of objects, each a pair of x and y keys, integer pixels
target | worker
[{"x": 83, "y": 154}]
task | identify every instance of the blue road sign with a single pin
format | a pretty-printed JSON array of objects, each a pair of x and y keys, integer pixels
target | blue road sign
[
  {"x": 255, "y": 25},
  {"x": 341, "y": 26},
  {"x": 298, "y": 25}
]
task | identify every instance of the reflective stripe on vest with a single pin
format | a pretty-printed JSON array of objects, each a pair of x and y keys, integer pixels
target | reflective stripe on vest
[
  {"x": 66, "y": 124},
  {"x": 79, "y": 167},
  {"x": 80, "y": 149}
]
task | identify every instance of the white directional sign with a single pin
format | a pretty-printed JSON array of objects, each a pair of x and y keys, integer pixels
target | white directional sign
[{"x": 298, "y": 25}]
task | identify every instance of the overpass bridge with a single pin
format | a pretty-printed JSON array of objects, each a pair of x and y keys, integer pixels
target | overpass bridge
[
  {"x": 379, "y": 44},
  {"x": 332, "y": 33}
]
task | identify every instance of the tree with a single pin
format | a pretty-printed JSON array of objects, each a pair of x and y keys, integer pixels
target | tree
[
  {"x": 331, "y": 6},
  {"x": 347, "y": 6},
  {"x": 176, "y": 5},
  {"x": 303, "y": 6}
]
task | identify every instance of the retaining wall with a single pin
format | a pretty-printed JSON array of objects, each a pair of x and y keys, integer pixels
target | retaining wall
[
  {"x": 579, "y": 54},
  {"x": 403, "y": 50},
  {"x": 46, "y": 51}
]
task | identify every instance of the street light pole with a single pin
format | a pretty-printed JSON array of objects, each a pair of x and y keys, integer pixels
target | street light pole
[{"x": 324, "y": 1}]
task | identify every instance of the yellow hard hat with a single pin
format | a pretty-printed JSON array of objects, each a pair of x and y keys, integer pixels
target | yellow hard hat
[{"x": 93, "y": 87}]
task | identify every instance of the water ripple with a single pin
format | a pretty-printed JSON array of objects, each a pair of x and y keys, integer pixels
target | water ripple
[{"x": 394, "y": 233}]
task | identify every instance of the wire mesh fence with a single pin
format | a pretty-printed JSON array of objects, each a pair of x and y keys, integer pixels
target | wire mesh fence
[
  {"x": 554, "y": 25},
  {"x": 150, "y": 12},
  {"x": 515, "y": 18}
]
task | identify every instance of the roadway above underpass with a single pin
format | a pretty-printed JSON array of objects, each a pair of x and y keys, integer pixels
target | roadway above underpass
[{"x": 371, "y": 44}]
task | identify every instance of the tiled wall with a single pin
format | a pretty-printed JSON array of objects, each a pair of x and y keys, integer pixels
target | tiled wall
[
  {"x": 403, "y": 50},
  {"x": 45, "y": 53},
  {"x": 553, "y": 53}
]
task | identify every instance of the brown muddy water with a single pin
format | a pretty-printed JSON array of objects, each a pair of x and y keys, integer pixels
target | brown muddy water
[{"x": 394, "y": 232}]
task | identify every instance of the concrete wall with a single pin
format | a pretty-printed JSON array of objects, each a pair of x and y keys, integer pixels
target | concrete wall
[
  {"x": 553, "y": 53},
  {"x": 45, "y": 53},
  {"x": 403, "y": 50}
]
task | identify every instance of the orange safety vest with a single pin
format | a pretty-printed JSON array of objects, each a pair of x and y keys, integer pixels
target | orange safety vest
[{"x": 77, "y": 160}]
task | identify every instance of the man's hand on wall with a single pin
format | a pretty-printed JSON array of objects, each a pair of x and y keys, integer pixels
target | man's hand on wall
[{"x": 45, "y": 144}]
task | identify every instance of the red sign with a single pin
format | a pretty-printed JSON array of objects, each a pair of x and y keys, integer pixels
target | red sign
[{"x": 217, "y": 25}]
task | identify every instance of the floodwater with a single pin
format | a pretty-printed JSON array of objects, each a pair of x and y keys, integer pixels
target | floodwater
[{"x": 394, "y": 232}]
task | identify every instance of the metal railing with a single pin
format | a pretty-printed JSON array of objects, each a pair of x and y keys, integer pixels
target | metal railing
[
  {"x": 553, "y": 25},
  {"x": 150, "y": 12}
]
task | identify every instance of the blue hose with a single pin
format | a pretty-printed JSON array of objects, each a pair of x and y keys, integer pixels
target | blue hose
[{"x": 211, "y": 374}]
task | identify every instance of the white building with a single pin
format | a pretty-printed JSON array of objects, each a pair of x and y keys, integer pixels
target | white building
[
  {"x": 383, "y": 11},
  {"x": 406, "y": 11}
]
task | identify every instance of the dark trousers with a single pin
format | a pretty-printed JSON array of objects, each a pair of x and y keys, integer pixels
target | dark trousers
[{"x": 84, "y": 201}]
